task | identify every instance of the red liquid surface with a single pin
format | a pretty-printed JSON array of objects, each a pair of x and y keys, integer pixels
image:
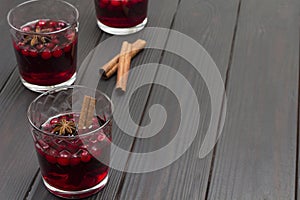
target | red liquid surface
[
  {"x": 48, "y": 61},
  {"x": 121, "y": 13},
  {"x": 76, "y": 163}
]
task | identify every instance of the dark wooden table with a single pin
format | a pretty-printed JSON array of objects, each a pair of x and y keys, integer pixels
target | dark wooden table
[{"x": 254, "y": 43}]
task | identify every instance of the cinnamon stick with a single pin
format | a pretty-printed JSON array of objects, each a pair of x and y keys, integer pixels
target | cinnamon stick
[
  {"x": 111, "y": 67},
  {"x": 124, "y": 66},
  {"x": 87, "y": 112}
]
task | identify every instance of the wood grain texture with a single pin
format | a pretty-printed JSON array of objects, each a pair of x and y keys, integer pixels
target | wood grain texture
[
  {"x": 210, "y": 23},
  {"x": 256, "y": 156},
  {"x": 19, "y": 164},
  {"x": 8, "y": 63},
  {"x": 88, "y": 75}
]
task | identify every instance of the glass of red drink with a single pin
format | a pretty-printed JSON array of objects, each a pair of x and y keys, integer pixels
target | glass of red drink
[
  {"x": 121, "y": 17},
  {"x": 44, "y": 37},
  {"x": 74, "y": 160}
]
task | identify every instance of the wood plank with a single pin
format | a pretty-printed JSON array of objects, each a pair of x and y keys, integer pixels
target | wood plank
[
  {"x": 210, "y": 23},
  {"x": 7, "y": 56},
  {"x": 19, "y": 164},
  {"x": 161, "y": 15},
  {"x": 256, "y": 156}
]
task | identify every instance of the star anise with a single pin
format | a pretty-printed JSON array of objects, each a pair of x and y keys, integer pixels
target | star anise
[
  {"x": 65, "y": 128},
  {"x": 34, "y": 39}
]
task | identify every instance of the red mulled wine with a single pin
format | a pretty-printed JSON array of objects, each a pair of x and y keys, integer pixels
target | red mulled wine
[
  {"x": 46, "y": 52},
  {"x": 73, "y": 162},
  {"x": 121, "y": 13}
]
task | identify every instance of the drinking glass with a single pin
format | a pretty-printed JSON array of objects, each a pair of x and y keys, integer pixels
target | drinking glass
[
  {"x": 121, "y": 17},
  {"x": 44, "y": 37},
  {"x": 74, "y": 160}
]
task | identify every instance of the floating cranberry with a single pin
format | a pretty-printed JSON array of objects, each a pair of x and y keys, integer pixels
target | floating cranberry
[
  {"x": 61, "y": 24},
  {"x": 115, "y": 2},
  {"x": 70, "y": 36},
  {"x": 39, "y": 47},
  {"x": 54, "y": 121},
  {"x": 49, "y": 45},
  {"x": 67, "y": 47},
  {"x": 25, "y": 52},
  {"x": 85, "y": 156},
  {"x": 26, "y": 29},
  {"x": 125, "y": 2},
  {"x": 75, "y": 159},
  {"x": 51, "y": 156},
  {"x": 52, "y": 24},
  {"x": 64, "y": 158},
  {"x": 55, "y": 41},
  {"x": 46, "y": 54},
  {"x": 57, "y": 53},
  {"x": 41, "y": 23},
  {"x": 33, "y": 53}
]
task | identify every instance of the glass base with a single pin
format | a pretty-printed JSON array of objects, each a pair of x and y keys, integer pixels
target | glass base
[
  {"x": 122, "y": 31},
  {"x": 41, "y": 89},
  {"x": 76, "y": 194}
]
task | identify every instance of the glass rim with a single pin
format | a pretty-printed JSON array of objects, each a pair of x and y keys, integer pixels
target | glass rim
[
  {"x": 107, "y": 121},
  {"x": 75, "y": 22}
]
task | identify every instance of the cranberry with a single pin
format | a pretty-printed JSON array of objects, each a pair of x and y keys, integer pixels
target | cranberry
[
  {"x": 61, "y": 24},
  {"x": 67, "y": 47},
  {"x": 51, "y": 156},
  {"x": 49, "y": 45},
  {"x": 26, "y": 29},
  {"x": 70, "y": 36},
  {"x": 39, "y": 46},
  {"x": 25, "y": 52},
  {"x": 52, "y": 24},
  {"x": 57, "y": 53},
  {"x": 41, "y": 23},
  {"x": 64, "y": 158},
  {"x": 46, "y": 54},
  {"x": 115, "y": 2},
  {"x": 54, "y": 121},
  {"x": 55, "y": 41},
  {"x": 85, "y": 156},
  {"x": 125, "y": 2},
  {"x": 33, "y": 53},
  {"x": 75, "y": 159},
  {"x": 104, "y": 1}
]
